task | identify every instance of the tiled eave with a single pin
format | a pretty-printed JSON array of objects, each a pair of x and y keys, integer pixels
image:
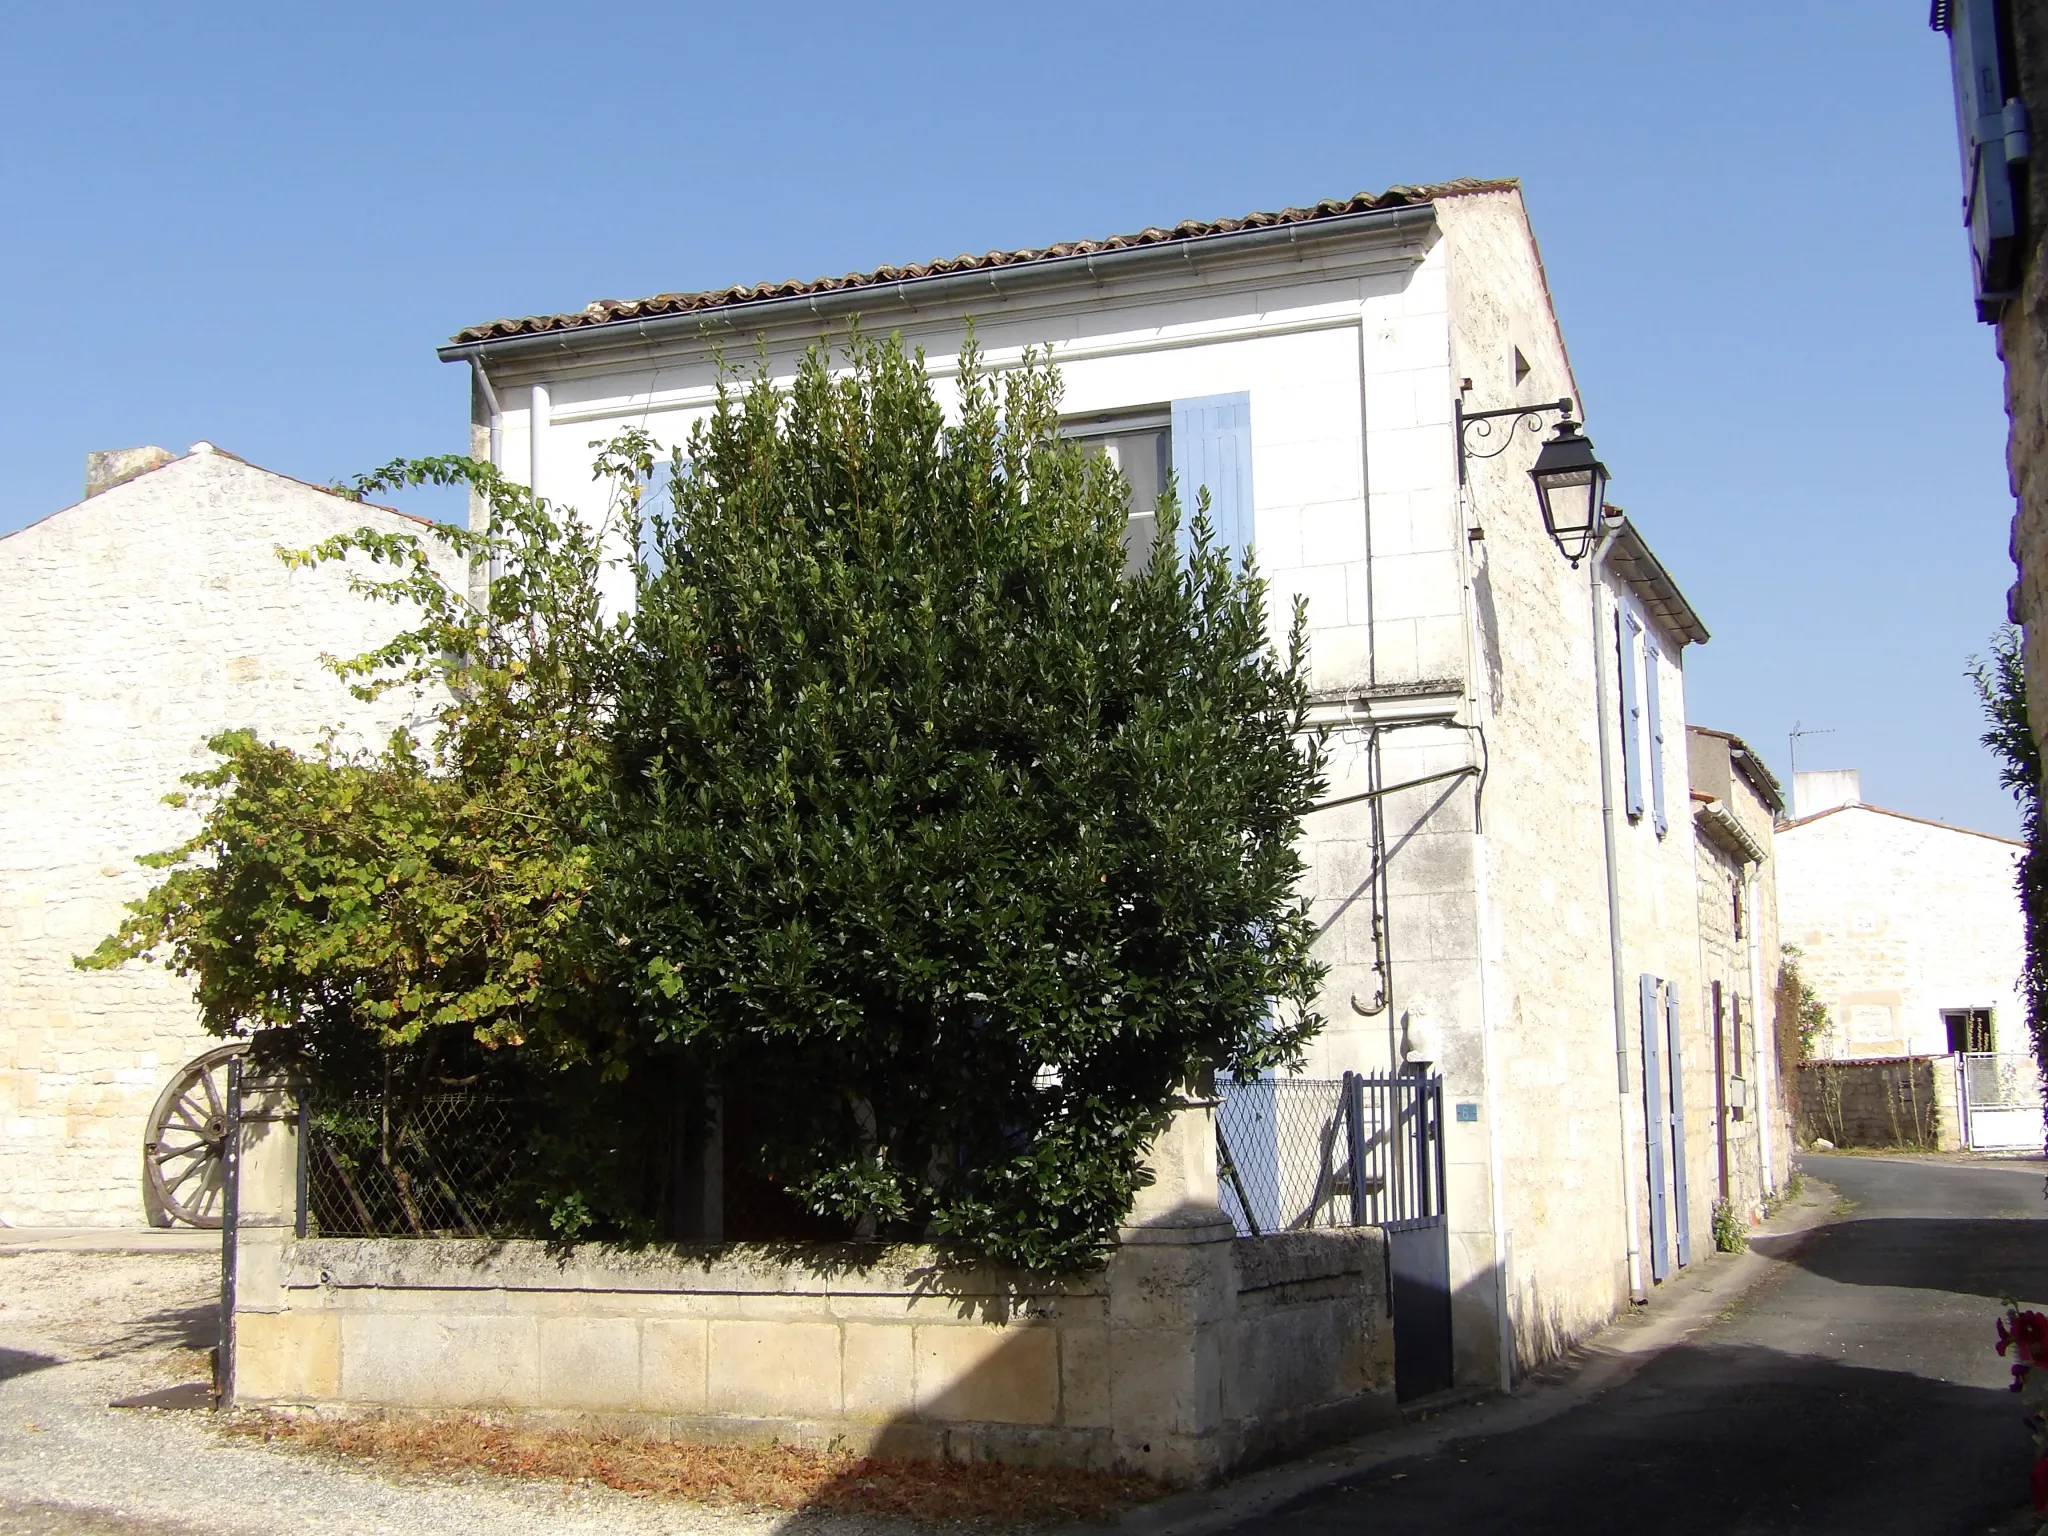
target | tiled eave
[{"x": 993, "y": 269}]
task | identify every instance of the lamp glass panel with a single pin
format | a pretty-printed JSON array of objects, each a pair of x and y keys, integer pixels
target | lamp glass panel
[{"x": 1568, "y": 501}]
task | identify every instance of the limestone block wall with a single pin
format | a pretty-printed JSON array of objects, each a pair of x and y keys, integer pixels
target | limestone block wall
[
  {"x": 1898, "y": 919},
  {"x": 133, "y": 626},
  {"x": 1180, "y": 1360},
  {"x": 1191, "y": 1354},
  {"x": 1739, "y": 959},
  {"x": 2023, "y": 344}
]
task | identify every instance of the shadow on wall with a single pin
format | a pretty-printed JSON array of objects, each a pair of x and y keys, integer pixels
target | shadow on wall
[{"x": 1709, "y": 1439}]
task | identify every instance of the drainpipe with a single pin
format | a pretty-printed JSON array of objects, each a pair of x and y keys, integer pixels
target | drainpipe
[
  {"x": 1623, "y": 1097},
  {"x": 493, "y": 414},
  {"x": 536, "y": 429}
]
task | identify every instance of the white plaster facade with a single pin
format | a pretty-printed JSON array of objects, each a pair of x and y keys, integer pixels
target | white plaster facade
[
  {"x": 1447, "y": 635},
  {"x": 1899, "y": 920},
  {"x": 133, "y": 626}
]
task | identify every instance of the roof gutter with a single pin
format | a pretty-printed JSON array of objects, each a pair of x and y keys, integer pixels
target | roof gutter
[
  {"x": 1719, "y": 823},
  {"x": 1044, "y": 272}
]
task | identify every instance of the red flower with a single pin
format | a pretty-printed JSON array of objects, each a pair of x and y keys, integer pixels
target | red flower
[
  {"x": 2039, "y": 1478},
  {"x": 2028, "y": 1334}
]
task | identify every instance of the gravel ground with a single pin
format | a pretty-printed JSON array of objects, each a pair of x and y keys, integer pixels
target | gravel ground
[{"x": 78, "y": 1330}]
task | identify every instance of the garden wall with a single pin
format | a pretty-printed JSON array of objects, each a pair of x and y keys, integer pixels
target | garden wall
[
  {"x": 1903, "y": 1101},
  {"x": 1192, "y": 1354}
]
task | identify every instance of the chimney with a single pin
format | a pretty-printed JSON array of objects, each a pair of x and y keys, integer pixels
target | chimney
[
  {"x": 109, "y": 467},
  {"x": 1824, "y": 789}
]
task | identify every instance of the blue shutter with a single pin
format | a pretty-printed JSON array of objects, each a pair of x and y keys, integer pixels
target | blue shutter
[
  {"x": 657, "y": 496},
  {"x": 1653, "y": 704},
  {"x": 1212, "y": 447},
  {"x": 1992, "y": 132},
  {"x": 1630, "y": 634},
  {"x": 1674, "y": 1066},
  {"x": 1653, "y": 1126}
]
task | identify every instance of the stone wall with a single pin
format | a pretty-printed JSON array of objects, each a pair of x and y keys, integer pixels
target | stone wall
[
  {"x": 1739, "y": 956},
  {"x": 133, "y": 626},
  {"x": 1567, "y": 1142},
  {"x": 2023, "y": 344},
  {"x": 1191, "y": 1355},
  {"x": 1910, "y": 1101},
  {"x": 1898, "y": 919}
]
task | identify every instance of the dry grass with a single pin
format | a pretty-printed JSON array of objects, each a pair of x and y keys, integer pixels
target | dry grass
[{"x": 773, "y": 1477}]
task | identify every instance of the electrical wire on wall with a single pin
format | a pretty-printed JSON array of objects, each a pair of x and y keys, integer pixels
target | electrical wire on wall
[{"x": 1377, "y": 884}]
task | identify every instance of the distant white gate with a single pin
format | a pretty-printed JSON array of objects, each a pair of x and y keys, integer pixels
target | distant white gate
[{"x": 2002, "y": 1101}]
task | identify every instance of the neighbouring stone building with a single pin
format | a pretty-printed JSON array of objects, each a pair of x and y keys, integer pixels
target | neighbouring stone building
[
  {"x": 1736, "y": 804},
  {"x": 1909, "y": 930},
  {"x": 133, "y": 626},
  {"x": 1998, "y": 51},
  {"x": 1306, "y": 367}
]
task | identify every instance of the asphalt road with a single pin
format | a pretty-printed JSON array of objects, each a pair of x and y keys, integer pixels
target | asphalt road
[{"x": 1854, "y": 1391}]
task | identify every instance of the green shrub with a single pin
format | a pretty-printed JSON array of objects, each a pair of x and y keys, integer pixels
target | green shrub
[
  {"x": 1731, "y": 1230},
  {"x": 894, "y": 817}
]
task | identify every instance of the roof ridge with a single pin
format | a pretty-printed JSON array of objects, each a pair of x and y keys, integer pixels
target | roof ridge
[
  {"x": 1925, "y": 821},
  {"x": 613, "y": 311},
  {"x": 203, "y": 450}
]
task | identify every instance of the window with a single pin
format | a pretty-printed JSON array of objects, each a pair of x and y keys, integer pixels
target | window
[
  {"x": 1969, "y": 1030},
  {"x": 1629, "y": 636},
  {"x": 1736, "y": 887},
  {"x": 1653, "y": 705},
  {"x": 1140, "y": 445},
  {"x": 1205, "y": 443}
]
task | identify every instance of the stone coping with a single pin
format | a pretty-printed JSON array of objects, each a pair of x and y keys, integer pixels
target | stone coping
[{"x": 813, "y": 1269}]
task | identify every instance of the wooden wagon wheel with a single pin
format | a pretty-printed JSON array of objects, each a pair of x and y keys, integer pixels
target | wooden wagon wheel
[{"x": 183, "y": 1156}]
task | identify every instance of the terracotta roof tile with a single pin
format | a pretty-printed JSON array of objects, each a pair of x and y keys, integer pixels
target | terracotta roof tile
[{"x": 613, "y": 311}]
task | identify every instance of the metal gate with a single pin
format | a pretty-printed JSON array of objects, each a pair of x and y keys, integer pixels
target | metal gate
[
  {"x": 1297, "y": 1153},
  {"x": 2001, "y": 1096}
]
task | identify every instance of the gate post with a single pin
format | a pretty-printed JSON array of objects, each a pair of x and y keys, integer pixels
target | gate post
[{"x": 1354, "y": 1135}]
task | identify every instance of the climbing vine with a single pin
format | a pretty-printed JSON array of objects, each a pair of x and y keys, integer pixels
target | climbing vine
[{"x": 2001, "y": 684}]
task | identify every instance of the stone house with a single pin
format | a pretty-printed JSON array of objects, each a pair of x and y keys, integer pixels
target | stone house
[
  {"x": 1307, "y": 367},
  {"x": 1736, "y": 804},
  {"x": 133, "y": 626},
  {"x": 1998, "y": 50},
  {"x": 1909, "y": 930}
]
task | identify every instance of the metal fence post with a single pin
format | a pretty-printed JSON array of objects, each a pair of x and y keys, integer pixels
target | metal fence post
[
  {"x": 1354, "y": 1123},
  {"x": 1436, "y": 1135},
  {"x": 305, "y": 1097}
]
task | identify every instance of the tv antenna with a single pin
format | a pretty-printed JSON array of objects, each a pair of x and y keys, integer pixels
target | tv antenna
[{"x": 1792, "y": 743}]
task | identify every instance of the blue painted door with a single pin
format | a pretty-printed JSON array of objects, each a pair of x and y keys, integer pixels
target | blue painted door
[
  {"x": 1674, "y": 1061},
  {"x": 1653, "y": 1127}
]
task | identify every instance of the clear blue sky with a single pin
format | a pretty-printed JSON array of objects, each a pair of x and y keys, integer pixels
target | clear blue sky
[{"x": 252, "y": 224}]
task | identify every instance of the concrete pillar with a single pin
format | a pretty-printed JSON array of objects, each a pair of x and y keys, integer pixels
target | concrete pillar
[
  {"x": 254, "y": 1349},
  {"x": 1173, "y": 1296}
]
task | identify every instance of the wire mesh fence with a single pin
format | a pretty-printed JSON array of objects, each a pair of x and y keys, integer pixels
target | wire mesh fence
[
  {"x": 1294, "y": 1154},
  {"x": 2001, "y": 1081},
  {"x": 440, "y": 1166}
]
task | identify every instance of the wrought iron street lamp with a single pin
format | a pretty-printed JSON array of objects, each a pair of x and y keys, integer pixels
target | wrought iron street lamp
[{"x": 1571, "y": 487}]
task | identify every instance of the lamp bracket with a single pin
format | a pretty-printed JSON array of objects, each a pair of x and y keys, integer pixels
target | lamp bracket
[{"x": 1478, "y": 427}]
